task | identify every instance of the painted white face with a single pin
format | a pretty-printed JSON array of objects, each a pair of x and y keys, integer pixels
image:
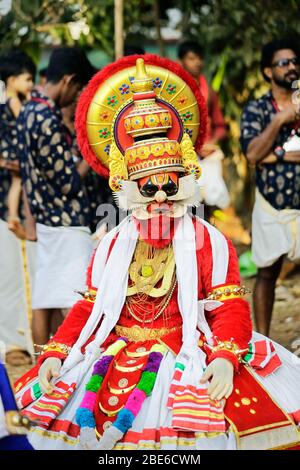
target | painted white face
[{"x": 162, "y": 194}]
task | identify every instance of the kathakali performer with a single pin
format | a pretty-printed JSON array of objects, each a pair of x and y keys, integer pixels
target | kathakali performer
[{"x": 160, "y": 352}]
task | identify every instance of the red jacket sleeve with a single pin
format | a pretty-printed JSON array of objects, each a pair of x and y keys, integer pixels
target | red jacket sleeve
[
  {"x": 232, "y": 320},
  {"x": 69, "y": 331}
]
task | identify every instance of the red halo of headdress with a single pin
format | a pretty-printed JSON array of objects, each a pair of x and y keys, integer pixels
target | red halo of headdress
[{"x": 89, "y": 92}]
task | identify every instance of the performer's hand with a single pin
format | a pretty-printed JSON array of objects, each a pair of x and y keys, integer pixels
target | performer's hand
[
  {"x": 221, "y": 372},
  {"x": 48, "y": 370}
]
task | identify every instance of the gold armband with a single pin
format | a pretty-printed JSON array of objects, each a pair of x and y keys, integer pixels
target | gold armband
[
  {"x": 228, "y": 292},
  {"x": 54, "y": 347},
  {"x": 89, "y": 295},
  {"x": 229, "y": 346}
]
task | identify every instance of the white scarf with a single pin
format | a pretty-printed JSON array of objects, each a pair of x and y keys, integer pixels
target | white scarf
[{"x": 112, "y": 278}]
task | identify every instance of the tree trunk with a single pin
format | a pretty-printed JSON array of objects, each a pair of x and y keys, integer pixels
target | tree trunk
[
  {"x": 159, "y": 38},
  {"x": 119, "y": 38}
]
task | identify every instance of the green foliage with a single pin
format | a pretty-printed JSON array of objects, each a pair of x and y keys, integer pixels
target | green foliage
[
  {"x": 232, "y": 33},
  {"x": 32, "y": 24}
]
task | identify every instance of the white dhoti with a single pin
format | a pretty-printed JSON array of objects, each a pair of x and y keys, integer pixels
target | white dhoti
[
  {"x": 16, "y": 272},
  {"x": 152, "y": 427},
  {"x": 274, "y": 233},
  {"x": 213, "y": 189},
  {"x": 63, "y": 255}
]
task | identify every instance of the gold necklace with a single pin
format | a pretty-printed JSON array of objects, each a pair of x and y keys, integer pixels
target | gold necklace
[
  {"x": 141, "y": 300},
  {"x": 148, "y": 267},
  {"x": 159, "y": 313}
]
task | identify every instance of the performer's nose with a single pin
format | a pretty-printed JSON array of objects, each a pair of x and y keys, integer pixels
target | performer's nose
[{"x": 160, "y": 196}]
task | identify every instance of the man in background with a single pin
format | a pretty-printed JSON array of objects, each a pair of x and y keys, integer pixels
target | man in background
[
  {"x": 16, "y": 255},
  {"x": 213, "y": 188},
  {"x": 270, "y": 129},
  {"x": 191, "y": 56},
  {"x": 55, "y": 190}
]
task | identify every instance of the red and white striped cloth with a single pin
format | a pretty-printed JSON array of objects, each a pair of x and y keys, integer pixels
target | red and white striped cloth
[
  {"x": 44, "y": 410},
  {"x": 193, "y": 410},
  {"x": 262, "y": 357}
]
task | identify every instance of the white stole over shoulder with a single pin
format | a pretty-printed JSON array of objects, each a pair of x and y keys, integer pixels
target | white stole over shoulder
[{"x": 110, "y": 276}]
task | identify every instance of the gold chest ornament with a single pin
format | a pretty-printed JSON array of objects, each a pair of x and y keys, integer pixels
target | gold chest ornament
[{"x": 150, "y": 266}]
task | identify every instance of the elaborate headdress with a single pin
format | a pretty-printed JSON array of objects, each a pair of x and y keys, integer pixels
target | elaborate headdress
[{"x": 139, "y": 116}]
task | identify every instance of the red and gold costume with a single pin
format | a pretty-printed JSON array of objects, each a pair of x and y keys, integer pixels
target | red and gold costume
[{"x": 129, "y": 341}]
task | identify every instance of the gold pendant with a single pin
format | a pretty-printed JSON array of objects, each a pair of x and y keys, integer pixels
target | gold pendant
[
  {"x": 109, "y": 413},
  {"x": 147, "y": 270},
  {"x": 148, "y": 267},
  {"x": 128, "y": 369},
  {"x": 121, "y": 391}
]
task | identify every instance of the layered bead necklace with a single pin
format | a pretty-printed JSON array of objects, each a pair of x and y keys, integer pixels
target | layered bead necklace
[{"x": 152, "y": 274}]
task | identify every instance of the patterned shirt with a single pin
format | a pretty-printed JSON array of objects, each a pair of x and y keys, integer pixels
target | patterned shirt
[
  {"x": 98, "y": 192},
  {"x": 8, "y": 146},
  {"x": 4, "y": 188},
  {"x": 8, "y": 134},
  {"x": 55, "y": 191},
  {"x": 279, "y": 183}
]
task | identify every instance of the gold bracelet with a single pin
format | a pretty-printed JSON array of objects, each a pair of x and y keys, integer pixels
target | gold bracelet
[
  {"x": 228, "y": 292},
  {"x": 54, "y": 347},
  {"x": 229, "y": 346},
  {"x": 88, "y": 295}
]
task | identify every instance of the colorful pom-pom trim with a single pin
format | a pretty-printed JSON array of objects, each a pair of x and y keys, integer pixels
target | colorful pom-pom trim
[
  {"x": 135, "y": 400},
  {"x": 87, "y": 405}
]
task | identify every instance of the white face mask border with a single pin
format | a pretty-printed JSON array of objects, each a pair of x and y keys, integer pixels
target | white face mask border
[{"x": 129, "y": 197}]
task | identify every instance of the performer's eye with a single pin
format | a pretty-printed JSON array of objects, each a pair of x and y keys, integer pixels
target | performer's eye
[
  {"x": 170, "y": 188},
  {"x": 149, "y": 189}
]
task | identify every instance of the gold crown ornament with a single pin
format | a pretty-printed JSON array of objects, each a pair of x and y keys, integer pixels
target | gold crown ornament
[
  {"x": 146, "y": 116},
  {"x": 140, "y": 116}
]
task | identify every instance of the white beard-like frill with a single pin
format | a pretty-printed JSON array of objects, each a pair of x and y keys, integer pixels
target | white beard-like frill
[{"x": 129, "y": 198}]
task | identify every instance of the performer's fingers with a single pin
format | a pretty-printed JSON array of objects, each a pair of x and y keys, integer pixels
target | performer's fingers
[
  {"x": 229, "y": 391},
  {"x": 213, "y": 385},
  {"x": 44, "y": 384},
  {"x": 53, "y": 375},
  {"x": 55, "y": 372},
  {"x": 226, "y": 392},
  {"x": 206, "y": 375},
  {"x": 42, "y": 387},
  {"x": 44, "y": 381},
  {"x": 223, "y": 392},
  {"x": 217, "y": 391}
]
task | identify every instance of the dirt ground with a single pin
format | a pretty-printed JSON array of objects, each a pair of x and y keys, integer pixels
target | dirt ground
[{"x": 285, "y": 327}]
